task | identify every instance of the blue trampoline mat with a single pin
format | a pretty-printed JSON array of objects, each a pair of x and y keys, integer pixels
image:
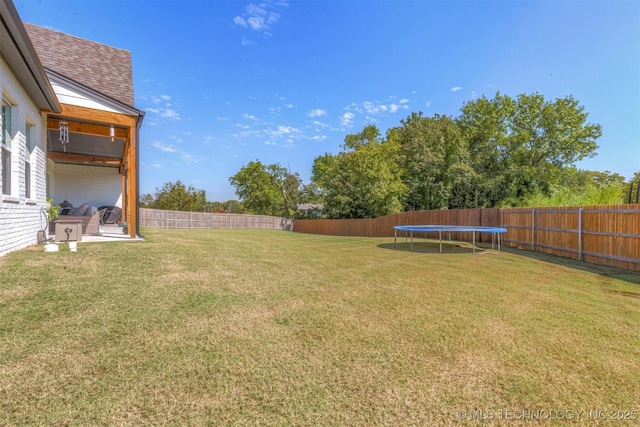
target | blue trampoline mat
[{"x": 460, "y": 228}]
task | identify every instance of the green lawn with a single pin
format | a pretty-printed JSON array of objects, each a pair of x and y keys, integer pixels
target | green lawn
[{"x": 257, "y": 327}]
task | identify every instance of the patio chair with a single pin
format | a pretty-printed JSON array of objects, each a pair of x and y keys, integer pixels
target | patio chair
[{"x": 102, "y": 212}]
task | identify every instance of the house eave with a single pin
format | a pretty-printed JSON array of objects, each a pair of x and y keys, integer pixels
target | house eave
[
  {"x": 20, "y": 55},
  {"x": 93, "y": 94}
]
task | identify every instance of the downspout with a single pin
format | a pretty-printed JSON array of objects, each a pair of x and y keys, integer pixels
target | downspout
[{"x": 138, "y": 125}]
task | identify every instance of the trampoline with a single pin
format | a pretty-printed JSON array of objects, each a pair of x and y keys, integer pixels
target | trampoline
[{"x": 495, "y": 232}]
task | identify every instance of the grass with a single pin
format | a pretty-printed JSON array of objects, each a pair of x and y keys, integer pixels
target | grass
[{"x": 255, "y": 327}]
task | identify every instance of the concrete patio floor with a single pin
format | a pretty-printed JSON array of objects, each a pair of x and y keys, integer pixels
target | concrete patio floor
[{"x": 109, "y": 233}]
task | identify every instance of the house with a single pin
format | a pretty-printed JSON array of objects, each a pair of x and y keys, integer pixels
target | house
[
  {"x": 310, "y": 210},
  {"x": 70, "y": 127}
]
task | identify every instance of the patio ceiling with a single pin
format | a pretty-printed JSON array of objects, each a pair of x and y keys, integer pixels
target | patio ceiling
[
  {"x": 89, "y": 143},
  {"x": 85, "y": 149}
]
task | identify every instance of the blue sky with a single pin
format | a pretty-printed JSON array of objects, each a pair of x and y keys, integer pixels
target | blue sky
[{"x": 227, "y": 82}]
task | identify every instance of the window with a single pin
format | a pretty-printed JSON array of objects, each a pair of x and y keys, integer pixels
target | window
[
  {"x": 27, "y": 136},
  {"x": 27, "y": 179},
  {"x": 6, "y": 123},
  {"x": 5, "y": 147},
  {"x": 27, "y": 163}
]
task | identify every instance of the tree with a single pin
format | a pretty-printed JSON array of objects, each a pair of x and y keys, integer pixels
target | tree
[
  {"x": 632, "y": 189},
  {"x": 582, "y": 187},
  {"x": 363, "y": 181},
  {"x": 234, "y": 206},
  {"x": 267, "y": 190},
  {"x": 432, "y": 154},
  {"x": 519, "y": 146},
  {"x": 176, "y": 197}
]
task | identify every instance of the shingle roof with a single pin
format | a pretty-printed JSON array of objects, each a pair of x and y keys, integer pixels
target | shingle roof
[{"x": 102, "y": 68}]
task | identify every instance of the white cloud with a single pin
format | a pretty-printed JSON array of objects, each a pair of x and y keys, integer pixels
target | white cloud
[
  {"x": 286, "y": 130},
  {"x": 167, "y": 148},
  {"x": 249, "y": 116},
  {"x": 317, "y": 113},
  {"x": 157, "y": 99},
  {"x": 347, "y": 119},
  {"x": 187, "y": 158},
  {"x": 456, "y": 89},
  {"x": 371, "y": 108},
  {"x": 260, "y": 17},
  {"x": 165, "y": 113},
  {"x": 168, "y": 113},
  {"x": 376, "y": 108},
  {"x": 190, "y": 159}
]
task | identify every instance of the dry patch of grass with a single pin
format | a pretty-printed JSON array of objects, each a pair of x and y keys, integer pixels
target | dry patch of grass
[{"x": 246, "y": 327}]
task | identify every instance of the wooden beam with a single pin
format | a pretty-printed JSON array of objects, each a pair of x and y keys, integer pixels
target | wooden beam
[
  {"x": 87, "y": 128},
  {"x": 54, "y": 155},
  {"x": 132, "y": 171},
  {"x": 91, "y": 115}
]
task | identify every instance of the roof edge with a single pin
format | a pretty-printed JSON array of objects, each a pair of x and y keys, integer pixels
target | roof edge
[
  {"x": 92, "y": 93},
  {"x": 21, "y": 41}
]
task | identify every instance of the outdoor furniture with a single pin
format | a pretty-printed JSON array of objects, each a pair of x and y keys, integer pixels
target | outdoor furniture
[
  {"x": 112, "y": 215},
  {"x": 87, "y": 215}
]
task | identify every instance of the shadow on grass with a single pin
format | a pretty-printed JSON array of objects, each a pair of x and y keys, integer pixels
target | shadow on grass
[
  {"x": 433, "y": 247},
  {"x": 602, "y": 270}
]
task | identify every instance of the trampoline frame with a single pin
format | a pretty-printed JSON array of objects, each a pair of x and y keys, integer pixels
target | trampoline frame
[{"x": 432, "y": 228}]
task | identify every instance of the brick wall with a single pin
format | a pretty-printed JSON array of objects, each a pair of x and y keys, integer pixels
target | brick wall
[{"x": 21, "y": 218}]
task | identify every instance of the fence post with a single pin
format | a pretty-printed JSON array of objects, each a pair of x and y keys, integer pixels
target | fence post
[
  {"x": 533, "y": 229},
  {"x": 580, "y": 234},
  {"x": 166, "y": 219}
]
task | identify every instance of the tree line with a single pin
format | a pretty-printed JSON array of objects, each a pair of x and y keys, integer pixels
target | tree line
[{"x": 498, "y": 152}]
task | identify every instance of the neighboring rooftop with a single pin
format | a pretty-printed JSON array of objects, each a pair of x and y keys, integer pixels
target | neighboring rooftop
[{"x": 103, "y": 68}]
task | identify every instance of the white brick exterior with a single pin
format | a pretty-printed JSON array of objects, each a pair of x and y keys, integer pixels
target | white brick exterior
[{"x": 21, "y": 218}]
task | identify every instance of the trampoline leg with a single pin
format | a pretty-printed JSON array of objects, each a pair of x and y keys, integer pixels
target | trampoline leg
[
  {"x": 395, "y": 235},
  {"x": 412, "y": 240},
  {"x": 474, "y": 242},
  {"x": 440, "y": 235}
]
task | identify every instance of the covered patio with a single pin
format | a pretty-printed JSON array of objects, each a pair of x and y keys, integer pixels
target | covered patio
[
  {"x": 92, "y": 143},
  {"x": 92, "y": 159}
]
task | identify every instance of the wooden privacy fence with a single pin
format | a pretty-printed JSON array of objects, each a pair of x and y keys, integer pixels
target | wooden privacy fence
[
  {"x": 181, "y": 219},
  {"x": 383, "y": 226},
  {"x": 607, "y": 235}
]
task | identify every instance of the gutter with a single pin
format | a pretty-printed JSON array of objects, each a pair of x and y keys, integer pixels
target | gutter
[{"x": 138, "y": 126}]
